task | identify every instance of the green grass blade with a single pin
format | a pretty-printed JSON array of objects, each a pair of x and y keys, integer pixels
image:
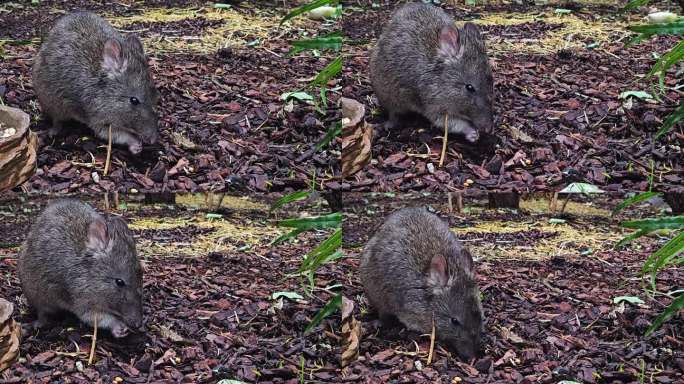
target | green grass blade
[
  {"x": 633, "y": 200},
  {"x": 331, "y": 41},
  {"x": 670, "y": 121},
  {"x": 306, "y": 8},
  {"x": 674, "y": 28},
  {"x": 292, "y": 197},
  {"x": 330, "y": 308},
  {"x": 675, "y": 306},
  {"x": 287, "y": 236},
  {"x": 628, "y": 239},
  {"x": 667, "y": 253},
  {"x": 635, "y": 4},
  {"x": 331, "y": 70},
  {"x": 332, "y": 133},
  {"x": 668, "y": 222},
  {"x": 666, "y": 61},
  {"x": 324, "y": 249},
  {"x": 332, "y": 220}
]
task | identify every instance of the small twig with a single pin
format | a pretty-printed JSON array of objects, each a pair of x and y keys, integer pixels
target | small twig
[
  {"x": 444, "y": 140},
  {"x": 109, "y": 151},
  {"x": 93, "y": 344},
  {"x": 432, "y": 342}
]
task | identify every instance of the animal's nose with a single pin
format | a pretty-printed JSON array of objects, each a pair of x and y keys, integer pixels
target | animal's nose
[{"x": 152, "y": 136}]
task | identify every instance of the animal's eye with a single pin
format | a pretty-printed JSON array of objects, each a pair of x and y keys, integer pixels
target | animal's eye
[
  {"x": 134, "y": 100},
  {"x": 120, "y": 283},
  {"x": 470, "y": 88},
  {"x": 455, "y": 322}
]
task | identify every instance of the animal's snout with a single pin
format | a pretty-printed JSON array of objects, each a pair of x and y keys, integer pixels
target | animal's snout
[{"x": 151, "y": 136}]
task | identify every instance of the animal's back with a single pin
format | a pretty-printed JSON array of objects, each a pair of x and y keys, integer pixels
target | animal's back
[
  {"x": 52, "y": 251},
  {"x": 405, "y": 49},
  {"x": 69, "y": 61},
  {"x": 397, "y": 256}
]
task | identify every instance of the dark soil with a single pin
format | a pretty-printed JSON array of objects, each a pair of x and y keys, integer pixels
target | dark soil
[
  {"x": 226, "y": 103},
  {"x": 558, "y": 115}
]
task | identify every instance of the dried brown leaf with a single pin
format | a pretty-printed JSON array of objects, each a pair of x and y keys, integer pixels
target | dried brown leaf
[
  {"x": 10, "y": 335},
  {"x": 356, "y": 137},
  {"x": 351, "y": 333}
]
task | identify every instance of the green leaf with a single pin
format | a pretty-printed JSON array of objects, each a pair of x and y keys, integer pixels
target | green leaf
[
  {"x": 287, "y": 295},
  {"x": 212, "y": 216},
  {"x": 332, "y": 220},
  {"x": 332, "y": 133},
  {"x": 562, "y": 11},
  {"x": 306, "y": 8},
  {"x": 287, "y": 236},
  {"x": 629, "y": 299},
  {"x": 675, "y": 306},
  {"x": 628, "y": 239},
  {"x": 633, "y": 200},
  {"x": 330, "y": 308},
  {"x": 554, "y": 220},
  {"x": 634, "y": 4},
  {"x": 666, "y": 61},
  {"x": 664, "y": 256},
  {"x": 331, "y": 70},
  {"x": 581, "y": 188},
  {"x": 325, "y": 12},
  {"x": 222, "y": 6},
  {"x": 287, "y": 199},
  {"x": 637, "y": 94},
  {"x": 668, "y": 222},
  {"x": 301, "y": 96},
  {"x": 674, "y": 28},
  {"x": 330, "y": 41},
  {"x": 670, "y": 121},
  {"x": 323, "y": 252},
  {"x": 231, "y": 381}
]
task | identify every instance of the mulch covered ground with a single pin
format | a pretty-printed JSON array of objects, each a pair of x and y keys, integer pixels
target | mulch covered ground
[
  {"x": 210, "y": 315},
  {"x": 557, "y": 109},
  {"x": 223, "y": 124}
]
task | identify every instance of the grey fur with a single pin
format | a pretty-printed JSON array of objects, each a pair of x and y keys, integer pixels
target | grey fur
[
  {"x": 400, "y": 279},
  {"x": 64, "y": 267},
  {"x": 75, "y": 77},
  {"x": 414, "y": 68}
]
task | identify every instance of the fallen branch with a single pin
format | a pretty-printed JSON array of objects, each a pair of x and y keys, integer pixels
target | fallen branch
[
  {"x": 444, "y": 141},
  {"x": 432, "y": 342},
  {"x": 94, "y": 343},
  {"x": 109, "y": 151}
]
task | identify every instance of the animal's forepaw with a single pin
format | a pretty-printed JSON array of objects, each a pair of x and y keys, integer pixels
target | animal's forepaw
[
  {"x": 120, "y": 331},
  {"x": 472, "y": 136},
  {"x": 135, "y": 148}
]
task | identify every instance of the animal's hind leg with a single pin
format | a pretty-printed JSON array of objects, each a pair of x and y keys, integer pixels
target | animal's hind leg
[
  {"x": 56, "y": 127},
  {"x": 395, "y": 121},
  {"x": 42, "y": 321}
]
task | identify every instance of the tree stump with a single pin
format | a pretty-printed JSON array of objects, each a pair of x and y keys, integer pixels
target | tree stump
[
  {"x": 675, "y": 199},
  {"x": 504, "y": 200},
  {"x": 17, "y": 148}
]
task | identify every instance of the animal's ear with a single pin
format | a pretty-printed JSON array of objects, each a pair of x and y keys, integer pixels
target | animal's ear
[
  {"x": 438, "y": 275},
  {"x": 468, "y": 262},
  {"x": 98, "y": 236},
  {"x": 135, "y": 44},
  {"x": 112, "y": 57},
  {"x": 450, "y": 46},
  {"x": 471, "y": 30}
]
